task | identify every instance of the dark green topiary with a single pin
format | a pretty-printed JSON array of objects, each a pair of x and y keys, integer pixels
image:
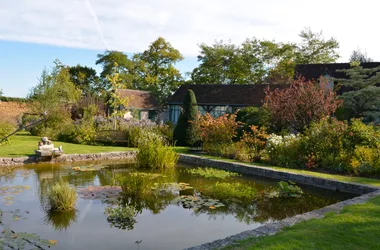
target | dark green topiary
[{"x": 185, "y": 133}]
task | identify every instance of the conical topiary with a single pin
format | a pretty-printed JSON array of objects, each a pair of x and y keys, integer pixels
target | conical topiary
[{"x": 185, "y": 133}]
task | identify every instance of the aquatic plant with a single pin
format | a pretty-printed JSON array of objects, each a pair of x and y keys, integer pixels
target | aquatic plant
[
  {"x": 197, "y": 202},
  {"x": 289, "y": 189},
  {"x": 61, "y": 197},
  {"x": 154, "y": 153},
  {"x": 212, "y": 173},
  {"x": 122, "y": 217},
  {"x": 229, "y": 191}
]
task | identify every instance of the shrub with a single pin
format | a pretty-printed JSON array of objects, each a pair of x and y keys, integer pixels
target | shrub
[
  {"x": 5, "y": 130},
  {"x": 153, "y": 152},
  {"x": 302, "y": 103},
  {"x": 218, "y": 130},
  {"x": 366, "y": 160},
  {"x": 255, "y": 141},
  {"x": 326, "y": 141},
  {"x": 285, "y": 151},
  {"x": 185, "y": 133},
  {"x": 252, "y": 116},
  {"x": 61, "y": 197}
]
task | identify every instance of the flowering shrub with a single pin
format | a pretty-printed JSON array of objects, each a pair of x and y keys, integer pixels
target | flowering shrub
[
  {"x": 218, "y": 130},
  {"x": 285, "y": 151},
  {"x": 255, "y": 141}
]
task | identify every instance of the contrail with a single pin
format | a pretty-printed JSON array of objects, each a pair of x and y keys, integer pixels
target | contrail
[{"x": 96, "y": 21}]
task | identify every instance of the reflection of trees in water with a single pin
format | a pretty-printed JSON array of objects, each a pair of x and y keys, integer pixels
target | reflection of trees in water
[
  {"x": 140, "y": 191},
  {"x": 60, "y": 220}
]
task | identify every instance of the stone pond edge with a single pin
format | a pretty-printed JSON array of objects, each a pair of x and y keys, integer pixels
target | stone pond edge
[
  {"x": 365, "y": 191},
  {"x": 275, "y": 227},
  {"x": 279, "y": 174},
  {"x": 18, "y": 161}
]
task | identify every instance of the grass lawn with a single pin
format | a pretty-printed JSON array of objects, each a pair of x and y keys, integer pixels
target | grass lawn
[
  {"x": 23, "y": 145},
  {"x": 343, "y": 178},
  {"x": 355, "y": 227}
]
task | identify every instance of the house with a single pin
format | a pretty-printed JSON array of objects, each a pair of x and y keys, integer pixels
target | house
[
  {"x": 219, "y": 99},
  {"x": 142, "y": 105}
]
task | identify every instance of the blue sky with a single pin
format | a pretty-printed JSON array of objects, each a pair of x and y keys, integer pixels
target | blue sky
[
  {"x": 22, "y": 63},
  {"x": 34, "y": 33}
]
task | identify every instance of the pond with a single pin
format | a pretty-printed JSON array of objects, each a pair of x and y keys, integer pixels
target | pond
[{"x": 150, "y": 210}]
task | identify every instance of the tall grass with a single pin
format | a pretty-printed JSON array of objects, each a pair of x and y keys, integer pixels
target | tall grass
[
  {"x": 154, "y": 152},
  {"x": 61, "y": 197}
]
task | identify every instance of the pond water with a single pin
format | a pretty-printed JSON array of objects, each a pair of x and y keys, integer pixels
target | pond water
[{"x": 183, "y": 211}]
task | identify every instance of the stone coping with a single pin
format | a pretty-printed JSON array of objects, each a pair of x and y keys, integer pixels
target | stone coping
[
  {"x": 365, "y": 191},
  {"x": 279, "y": 174},
  {"x": 275, "y": 227},
  {"x": 17, "y": 161}
]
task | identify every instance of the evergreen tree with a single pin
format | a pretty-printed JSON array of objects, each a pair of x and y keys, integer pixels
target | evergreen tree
[
  {"x": 185, "y": 133},
  {"x": 363, "y": 99}
]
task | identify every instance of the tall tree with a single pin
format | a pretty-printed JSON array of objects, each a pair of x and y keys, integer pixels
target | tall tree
[
  {"x": 185, "y": 132},
  {"x": 156, "y": 66},
  {"x": 86, "y": 79},
  {"x": 359, "y": 56},
  {"x": 261, "y": 61},
  {"x": 314, "y": 48},
  {"x": 117, "y": 62},
  {"x": 364, "y": 98}
]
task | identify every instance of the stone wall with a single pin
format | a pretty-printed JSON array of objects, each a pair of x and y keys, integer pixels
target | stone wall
[
  {"x": 68, "y": 158},
  {"x": 278, "y": 174},
  {"x": 275, "y": 227}
]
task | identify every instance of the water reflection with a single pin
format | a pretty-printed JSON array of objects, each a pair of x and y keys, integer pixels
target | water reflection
[
  {"x": 143, "y": 201},
  {"x": 60, "y": 220}
]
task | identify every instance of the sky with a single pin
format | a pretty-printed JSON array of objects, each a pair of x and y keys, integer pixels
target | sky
[{"x": 34, "y": 33}]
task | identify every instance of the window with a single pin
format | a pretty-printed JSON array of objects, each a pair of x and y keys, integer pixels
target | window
[
  {"x": 152, "y": 115},
  {"x": 174, "y": 111}
]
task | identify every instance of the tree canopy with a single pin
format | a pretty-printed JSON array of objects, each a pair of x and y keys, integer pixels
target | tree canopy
[
  {"x": 261, "y": 61},
  {"x": 86, "y": 79},
  {"x": 359, "y": 56}
]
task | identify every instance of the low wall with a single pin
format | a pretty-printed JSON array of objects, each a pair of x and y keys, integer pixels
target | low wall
[
  {"x": 275, "y": 227},
  {"x": 68, "y": 158},
  {"x": 278, "y": 174}
]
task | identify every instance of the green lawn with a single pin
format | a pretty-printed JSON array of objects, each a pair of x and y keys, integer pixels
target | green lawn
[
  {"x": 24, "y": 145},
  {"x": 343, "y": 178},
  {"x": 355, "y": 227}
]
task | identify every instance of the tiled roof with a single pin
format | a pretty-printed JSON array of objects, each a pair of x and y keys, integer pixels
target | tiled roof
[
  {"x": 219, "y": 94},
  {"x": 314, "y": 71},
  {"x": 139, "y": 99}
]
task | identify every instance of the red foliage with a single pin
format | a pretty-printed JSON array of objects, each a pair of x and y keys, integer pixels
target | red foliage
[{"x": 302, "y": 103}]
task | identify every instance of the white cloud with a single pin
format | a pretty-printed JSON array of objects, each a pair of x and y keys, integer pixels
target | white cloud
[{"x": 130, "y": 25}]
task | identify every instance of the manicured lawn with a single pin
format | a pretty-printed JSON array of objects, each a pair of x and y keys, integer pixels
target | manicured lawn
[
  {"x": 355, "y": 227},
  {"x": 343, "y": 178},
  {"x": 24, "y": 145}
]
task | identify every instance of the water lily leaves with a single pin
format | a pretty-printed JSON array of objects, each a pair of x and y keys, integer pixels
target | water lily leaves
[
  {"x": 196, "y": 202},
  {"x": 21, "y": 240},
  {"x": 107, "y": 194}
]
